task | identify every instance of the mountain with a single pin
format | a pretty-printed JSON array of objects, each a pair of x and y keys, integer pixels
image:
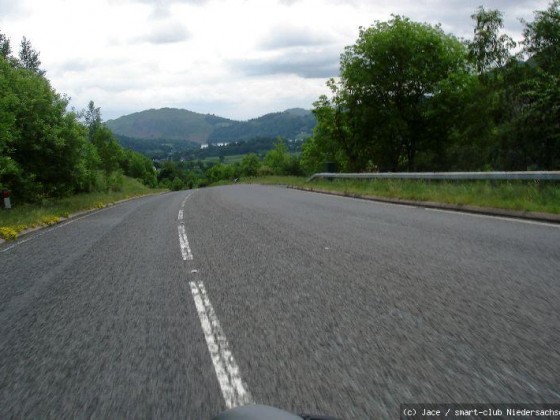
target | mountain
[
  {"x": 180, "y": 124},
  {"x": 167, "y": 123}
]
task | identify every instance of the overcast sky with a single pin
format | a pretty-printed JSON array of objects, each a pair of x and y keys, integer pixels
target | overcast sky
[{"x": 234, "y": 58}]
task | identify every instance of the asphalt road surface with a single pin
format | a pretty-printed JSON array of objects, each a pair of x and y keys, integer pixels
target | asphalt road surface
[{"x": 184, "y": 304}]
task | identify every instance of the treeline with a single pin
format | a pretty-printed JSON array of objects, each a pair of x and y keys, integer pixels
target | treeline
[
  {"x": 259, "y": 146},
  {"x": 174, "y": 149},
  {"x": 197, "y": 173},
  {"x": 412, "y": 98},
  {"x": 291, "y": 124},
  {"x": 158, "y": 149},
  {"x": 47, "y": 151}
]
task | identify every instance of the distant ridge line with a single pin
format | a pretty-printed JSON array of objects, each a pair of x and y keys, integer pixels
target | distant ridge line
[{"x": 182, "y": 124}]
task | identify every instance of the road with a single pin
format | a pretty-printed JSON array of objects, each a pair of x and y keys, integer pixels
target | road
[{"x": 182, "y": 304}]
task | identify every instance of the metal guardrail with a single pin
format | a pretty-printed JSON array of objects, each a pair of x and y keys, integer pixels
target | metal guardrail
[{"x": 524, "y": 175}]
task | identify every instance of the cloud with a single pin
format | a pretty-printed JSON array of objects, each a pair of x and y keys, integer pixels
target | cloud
[
  {"x": 241, "y": 58},
  {"x": 455, "y": 15},
  {"x": 10, "y": 8},
  {"x": 286, "y": 36},
  {"x": 75, "y": 65},
  {"x": 166, "y": 33},
  {"x": 166, "y": 3},
  {"x": 303, "y": 62},
  {"x": 162, "y": 7}
]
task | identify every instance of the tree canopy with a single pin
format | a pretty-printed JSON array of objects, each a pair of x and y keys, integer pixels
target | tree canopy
[
  {"x": 411, "y": 97},
  {"x": 45, "y": 150}
]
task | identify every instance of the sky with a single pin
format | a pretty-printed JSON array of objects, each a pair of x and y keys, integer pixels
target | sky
[{"x": 238, "y": 59}]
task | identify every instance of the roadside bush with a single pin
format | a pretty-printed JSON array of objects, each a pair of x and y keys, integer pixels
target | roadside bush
[
  {"x": 115, "y": 181},
  {"x": 177, "y": 184},
  {"x": 250, "y": 165},
  {"x": 265, "y": 171}
]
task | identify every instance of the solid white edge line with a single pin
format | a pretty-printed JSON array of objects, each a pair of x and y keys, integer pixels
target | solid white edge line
[
  {"x": 233, "y": 389},
  {"x": 184, "y": 243},
  {"x": 488, "y": 216}
]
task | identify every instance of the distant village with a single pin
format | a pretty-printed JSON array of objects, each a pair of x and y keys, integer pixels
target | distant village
[{"x": 206, "y": 145}]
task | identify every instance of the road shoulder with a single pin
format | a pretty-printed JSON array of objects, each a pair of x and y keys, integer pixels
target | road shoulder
[{"x": 516, "y": 214}]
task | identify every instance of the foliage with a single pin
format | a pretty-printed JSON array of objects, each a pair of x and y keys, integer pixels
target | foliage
[
  {"x": 280, "y": 161},
  {"x": 29, "y": 57},
  {"x": 46, "y": 151},
  {"x": 488, "y": 49},
  {"x": 5, "y": 47},
  {"x": 378, "y": 114},
  {"x": 8, "y": 233},
  {"x": 413, "y": 98},
  {"x": 166, "y": 125},
  {"x": 291, "y": 124},
  {"x": 531, "y": 135},
  {"x": 41, "y": 144},
  {"x": 51, "y": 210},
  {"x": 250, "y": 165},
  {"x": 542, "y": 38},
  {"x": 409, "y": 97}
]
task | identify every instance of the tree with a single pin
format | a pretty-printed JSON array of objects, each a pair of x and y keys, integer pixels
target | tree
[
  {"x": 41, "y": 145},
  {"x": 277, "y": 158},
  {"x": 331, "y": 136},
  {"x": 5, "y": 47},
  {"x": 44, "y": 149},
  {"x": 220, "y": 172},
  {"x": 542, "y": 38},
  {"x": 29, "y": 57},
  {"x": 532, "y": 134},
  {"x": 111, "y": 154},
  {"x": 91, "y": 117},
  {"x": 388, "y": 77},
  {"x": 168, "y": 172},
  {"x": 488, "y": 49},
  {"x": 250, "y": 165}
]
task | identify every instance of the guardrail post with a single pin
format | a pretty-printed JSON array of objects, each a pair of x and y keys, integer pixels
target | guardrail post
[{"x": 6, "y": 197}]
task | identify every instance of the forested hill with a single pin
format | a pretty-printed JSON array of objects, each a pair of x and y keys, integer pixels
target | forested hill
[
  {"x": 293, "y": 123},
  {"x": 180, "y": 124}
]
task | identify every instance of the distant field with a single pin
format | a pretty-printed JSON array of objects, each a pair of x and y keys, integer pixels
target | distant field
[
  {"x": 22, "y": 217},
  {"x": 511, "y": 195},
  {"x": 227, "y": 159}
]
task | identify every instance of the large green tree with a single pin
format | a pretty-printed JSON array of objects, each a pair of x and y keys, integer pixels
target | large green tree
[
  {"x": 378, "y": 113},
  {"x": 479, "y": 107},
  {"x": 542, "y": 38},
  {"x": 45, "y": 150},
  {"x": 489, "y": 48},
  {"x": 41, "y": 144},
  {"x": 532, "y": 134}
]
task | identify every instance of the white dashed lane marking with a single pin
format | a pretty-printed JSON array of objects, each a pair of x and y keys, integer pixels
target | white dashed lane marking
[{"x": 233, "y": 389}]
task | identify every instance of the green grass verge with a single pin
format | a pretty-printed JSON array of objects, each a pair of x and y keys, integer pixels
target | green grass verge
[
  {"x": 48, "y": 212},
  {"x": 510, "y": 195}
]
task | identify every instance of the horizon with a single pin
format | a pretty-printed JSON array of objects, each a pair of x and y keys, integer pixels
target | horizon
[
  {"x": 206, "y": 113},
  {"x": 237, "y": 59}
]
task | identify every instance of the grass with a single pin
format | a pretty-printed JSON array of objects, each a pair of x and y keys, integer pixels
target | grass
[
  {"x": 51, "y": 211},
  {"x": 511, "y": 195},
  {"x": 228, "y": 160}
]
